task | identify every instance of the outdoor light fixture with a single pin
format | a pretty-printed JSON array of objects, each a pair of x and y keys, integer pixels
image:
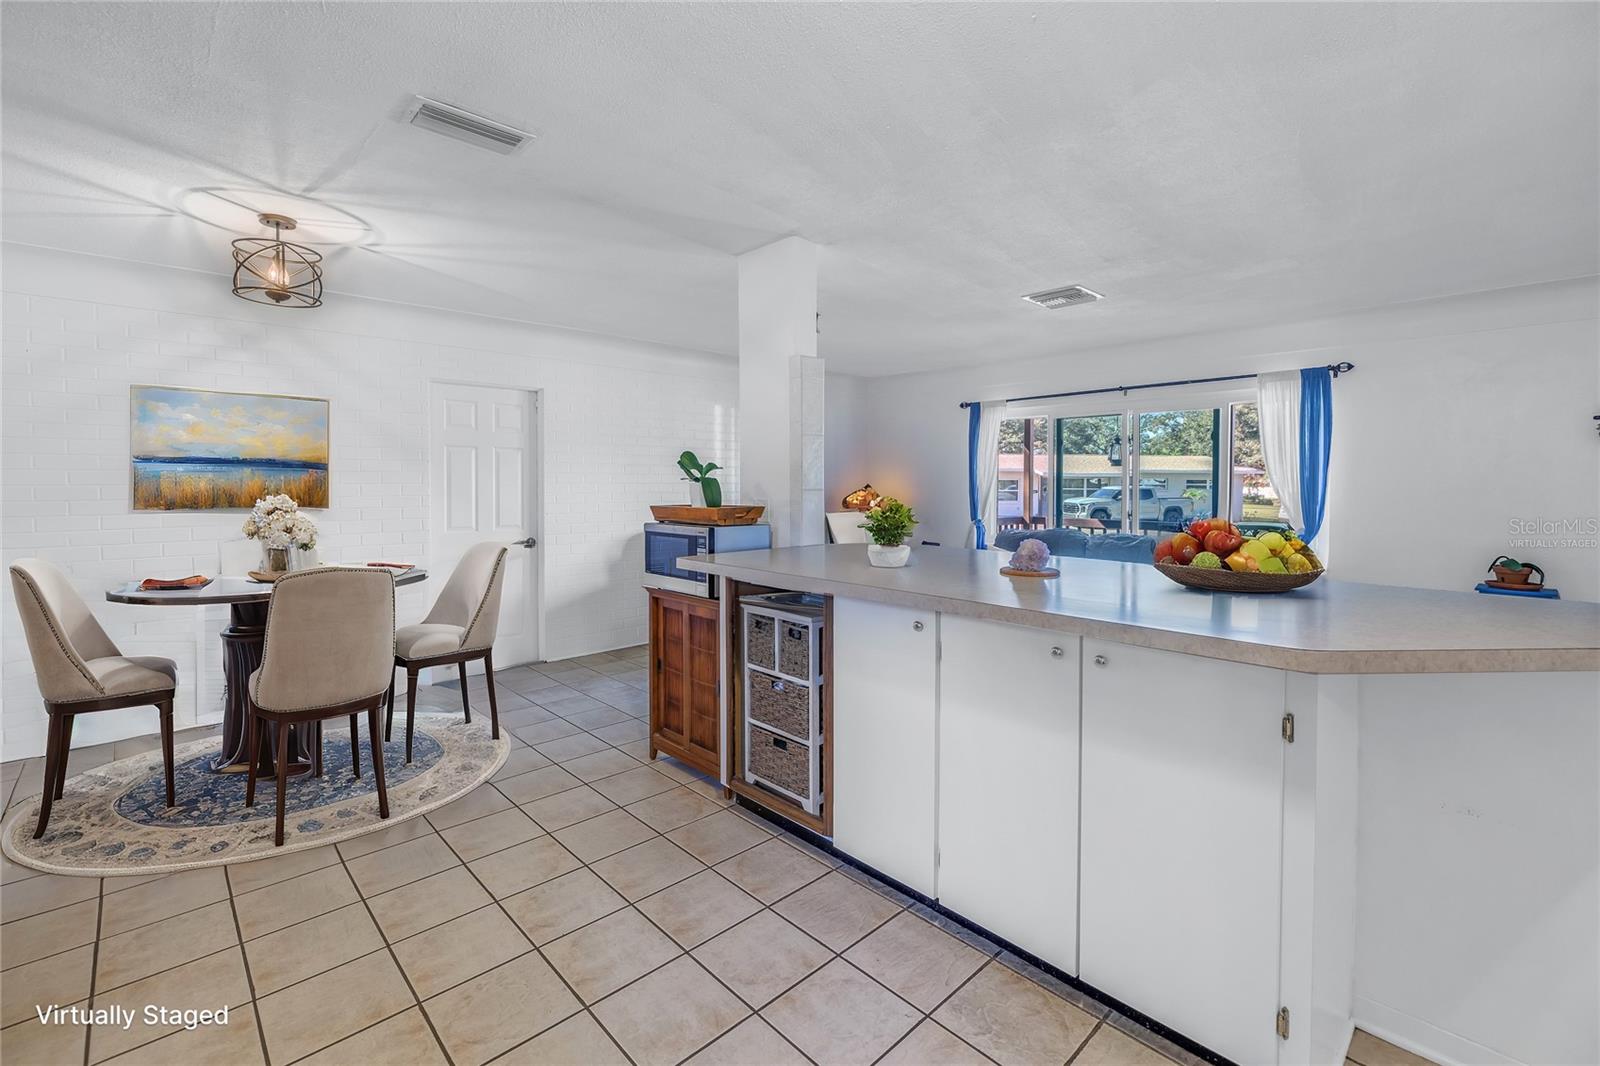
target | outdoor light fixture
[
  {"x": 272, "y": 271},
  {"x": 1114, "y": 452}
]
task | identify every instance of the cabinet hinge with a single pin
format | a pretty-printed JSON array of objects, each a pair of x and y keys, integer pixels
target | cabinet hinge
[
  {"x": 1283, "y": 1023},
  {"x": 1288, "y": 734}
]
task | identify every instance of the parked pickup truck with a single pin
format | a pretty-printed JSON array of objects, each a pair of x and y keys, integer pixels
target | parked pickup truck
[{"x": 1106, "y": 505}]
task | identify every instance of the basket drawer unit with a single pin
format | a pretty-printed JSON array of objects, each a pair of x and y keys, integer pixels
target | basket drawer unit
[
  {"x": 782, "y": 704},
  {"x": 784, "y": 765},
  {"x": 783, "y": 635},
  {"x": 797, "y": 648},
  {"x": 760, "y": 639}
]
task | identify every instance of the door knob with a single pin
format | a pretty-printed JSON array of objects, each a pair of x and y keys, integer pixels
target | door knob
[
  {"x": 526, "y": 542},
  {"x": 1100, "y": 660},
  {"x": 1057, "y": 652},
  {"x": 916, "y": 627}
]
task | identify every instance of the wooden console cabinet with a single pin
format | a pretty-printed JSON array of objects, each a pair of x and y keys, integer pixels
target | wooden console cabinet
[{"x": 685, "y": 674}]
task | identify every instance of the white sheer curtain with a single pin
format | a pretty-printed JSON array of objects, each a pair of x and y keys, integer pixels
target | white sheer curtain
[
  {"x": 991, "y": 413},
  {"x": 1278, "y": 403}
]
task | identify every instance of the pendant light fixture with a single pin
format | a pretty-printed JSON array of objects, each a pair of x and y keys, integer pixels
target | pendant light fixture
[{"x": 273, "y": 271}]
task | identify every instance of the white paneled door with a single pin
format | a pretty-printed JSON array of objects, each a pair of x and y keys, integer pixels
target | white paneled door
[{"x": 484, "y": 474}]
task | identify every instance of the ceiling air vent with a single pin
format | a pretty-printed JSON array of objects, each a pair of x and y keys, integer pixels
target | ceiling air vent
[
  {"x": 465, "y": 126},
  {"x": 1071, "y": 296}
]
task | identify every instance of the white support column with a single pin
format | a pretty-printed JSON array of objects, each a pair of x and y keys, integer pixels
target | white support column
[{"x": 780, "y": 390}]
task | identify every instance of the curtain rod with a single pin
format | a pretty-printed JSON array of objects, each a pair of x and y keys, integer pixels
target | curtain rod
[{"x": 1335, "y": 368}]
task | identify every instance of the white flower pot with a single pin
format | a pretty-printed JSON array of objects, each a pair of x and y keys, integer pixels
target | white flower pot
[{"x": 879, "y": 555}]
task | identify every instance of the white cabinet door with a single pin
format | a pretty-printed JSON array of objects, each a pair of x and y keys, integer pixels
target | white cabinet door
[
  {"x": 1181, "y": 842},
  {"x": 1008, "y": 783},
  {"x": 885, "y": 668}
]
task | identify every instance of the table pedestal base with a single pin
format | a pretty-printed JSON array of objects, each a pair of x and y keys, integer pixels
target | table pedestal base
[{"x": 242, "y": 644}]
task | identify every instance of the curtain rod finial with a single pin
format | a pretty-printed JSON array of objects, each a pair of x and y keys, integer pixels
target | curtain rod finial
[{"x": 1342, "y": 368}]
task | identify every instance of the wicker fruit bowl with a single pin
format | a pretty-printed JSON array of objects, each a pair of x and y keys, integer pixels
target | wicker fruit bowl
[{"x": 1232, "y": 581}]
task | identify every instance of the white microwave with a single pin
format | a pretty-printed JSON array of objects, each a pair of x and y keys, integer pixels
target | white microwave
[{"x": 666, "y": 543}]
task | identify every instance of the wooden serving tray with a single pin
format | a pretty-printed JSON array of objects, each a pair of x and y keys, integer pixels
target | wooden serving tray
[{"x": 736, "y": 515}]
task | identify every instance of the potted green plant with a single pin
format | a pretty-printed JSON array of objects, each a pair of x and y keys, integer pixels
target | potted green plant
[
  {"x": 889, "y": 524},
  {"x": 706, "y": 486}
]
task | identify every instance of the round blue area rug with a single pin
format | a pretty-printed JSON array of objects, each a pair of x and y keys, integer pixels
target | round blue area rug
[{"x": 114, "y": 819}]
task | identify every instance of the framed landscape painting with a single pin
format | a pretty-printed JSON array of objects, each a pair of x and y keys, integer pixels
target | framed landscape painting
[{"x": 198, "y": 450}]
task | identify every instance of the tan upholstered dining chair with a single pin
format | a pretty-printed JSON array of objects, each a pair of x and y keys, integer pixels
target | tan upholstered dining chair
[
  {"x": 79, "y": 670},
  {"x": 460, "y": 629},
  {"x": 328, "y": 652}
]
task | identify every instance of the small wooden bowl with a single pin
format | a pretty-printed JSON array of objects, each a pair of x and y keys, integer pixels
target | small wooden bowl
[{"x": 1234, "y": 581}]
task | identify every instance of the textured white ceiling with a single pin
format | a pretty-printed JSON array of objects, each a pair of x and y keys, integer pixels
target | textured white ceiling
[{"x": 1205, "y": 166}]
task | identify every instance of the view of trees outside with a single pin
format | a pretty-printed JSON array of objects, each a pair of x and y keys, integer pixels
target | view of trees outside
[{"x": 1013, "y": 429}]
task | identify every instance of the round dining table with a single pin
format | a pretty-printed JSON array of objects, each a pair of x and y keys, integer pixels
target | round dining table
[{"x": 242, "y": 642}]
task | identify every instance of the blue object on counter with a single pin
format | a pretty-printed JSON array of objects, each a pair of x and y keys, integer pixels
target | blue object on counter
[{"x": 1531, "y": 594}]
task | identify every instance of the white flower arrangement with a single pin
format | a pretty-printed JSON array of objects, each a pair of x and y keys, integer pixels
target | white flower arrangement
[{"x": 277, "y": 522}]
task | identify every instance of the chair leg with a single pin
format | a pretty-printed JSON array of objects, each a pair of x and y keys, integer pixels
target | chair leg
[
  {"x": 377, "y": 761},
  {"x": 252, "y": 730},
  {"x": 165, "y": 707},
  {"x": 52, "y": 767},
  {"x": 411, "y": 707},
  {"x": 466, "y": 706},
  {"x": 66, "y": 752},
  {"x": 494, "y": 709},
  {"x": 316, "y": 751},
  {"x": 355, "y": 747},
  {"x": 283, "y": 780},
  {"x": 388, "y": 724}
]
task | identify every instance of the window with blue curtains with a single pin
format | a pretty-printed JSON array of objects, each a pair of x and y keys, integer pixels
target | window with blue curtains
[
  {"x": 1316, "y": 438},
  {"x": 974, "y": 417}
]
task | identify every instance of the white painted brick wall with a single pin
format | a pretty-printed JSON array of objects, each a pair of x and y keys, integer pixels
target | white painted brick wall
[{"x": 615, "y": 415}]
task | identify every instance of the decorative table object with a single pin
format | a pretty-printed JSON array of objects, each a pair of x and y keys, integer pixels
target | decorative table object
[
  {"x": 278, "y": 523},
  {"x": 1513, "y": 576},
  {"x": 1212, "y": 554},
  {"x": 888, "y": 526},
  {"x": 1029, "y": 560}
]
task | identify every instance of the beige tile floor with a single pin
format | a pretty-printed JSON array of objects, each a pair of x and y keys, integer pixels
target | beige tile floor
[{"x": 584, "y": 906}]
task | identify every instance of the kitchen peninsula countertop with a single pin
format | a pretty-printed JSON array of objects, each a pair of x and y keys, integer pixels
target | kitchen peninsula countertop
[{"x": 1329, "y": 627}]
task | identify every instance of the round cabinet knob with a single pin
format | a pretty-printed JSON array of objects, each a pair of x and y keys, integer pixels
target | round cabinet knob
[
  {"x": 917, "y": 626},
  {"x": 1100, "y": 660},
  {"x": 1057, "y": 652}
]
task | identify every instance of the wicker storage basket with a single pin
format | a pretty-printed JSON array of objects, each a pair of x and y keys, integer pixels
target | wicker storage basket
[
  {"x": 1233, "y": 581},
  {"x": 759, "y": 633},
  {"x": 783, "y": 705},
  {"x": 780, "y": 761},
  {"x": 794, "y": 649}
]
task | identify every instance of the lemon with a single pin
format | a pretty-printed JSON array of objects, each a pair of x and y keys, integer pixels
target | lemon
[{"x": 1297, "y": 563}]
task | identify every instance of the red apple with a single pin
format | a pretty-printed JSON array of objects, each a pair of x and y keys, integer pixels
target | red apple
[
  {"x": 1222, "y": 542},
  {"x": 1184, "y": 548}
]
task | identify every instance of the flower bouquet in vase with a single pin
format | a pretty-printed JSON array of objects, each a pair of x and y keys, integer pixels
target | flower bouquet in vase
[{"x": 283, "y": 530}]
